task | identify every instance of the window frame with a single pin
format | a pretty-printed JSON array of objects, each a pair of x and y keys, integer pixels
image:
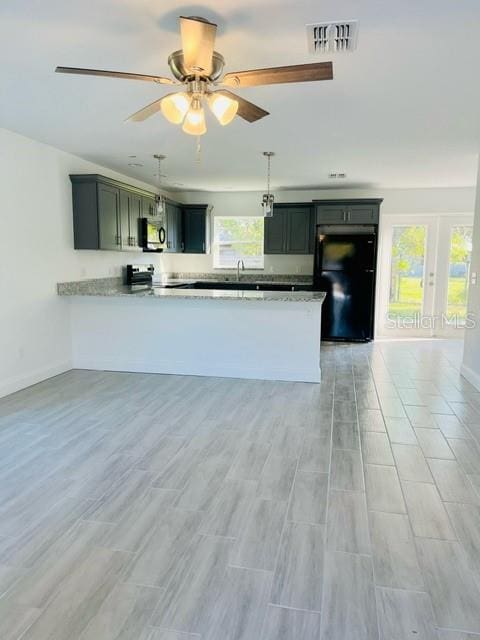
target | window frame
[{"x": 216, "y": 244}]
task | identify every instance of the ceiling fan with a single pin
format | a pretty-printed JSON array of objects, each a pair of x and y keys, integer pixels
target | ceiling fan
[{"x": 199, "y": 69}]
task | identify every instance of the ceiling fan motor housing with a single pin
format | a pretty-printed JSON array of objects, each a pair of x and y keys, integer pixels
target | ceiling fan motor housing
[{"x": 183, "y": 74}]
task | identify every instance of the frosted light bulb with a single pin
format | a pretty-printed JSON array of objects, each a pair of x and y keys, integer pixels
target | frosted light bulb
[
  {"x": 222, "y": 107},
  {"x": 175, "y": 106}
]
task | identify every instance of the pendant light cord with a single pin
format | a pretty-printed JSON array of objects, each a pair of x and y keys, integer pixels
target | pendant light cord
[{"x": 268, "y": 175}]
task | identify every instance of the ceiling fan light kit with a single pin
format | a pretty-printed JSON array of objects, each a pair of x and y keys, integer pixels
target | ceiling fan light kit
[
  {"x": 223, "y": 108},
  {"x": 194, "y": 123},
  {"x": 175, "y": 106},
  {"x": 198, "y": 69}
]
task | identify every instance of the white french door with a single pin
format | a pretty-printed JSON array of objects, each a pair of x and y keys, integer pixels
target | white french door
[{"x": 424, "y": 268}]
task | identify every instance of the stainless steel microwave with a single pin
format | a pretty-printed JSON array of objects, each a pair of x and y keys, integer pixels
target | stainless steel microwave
[{"x": 152, "y": 233}]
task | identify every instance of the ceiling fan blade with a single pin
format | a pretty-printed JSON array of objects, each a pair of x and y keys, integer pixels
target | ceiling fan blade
[
  {"x": 150, "y": 110},
  {"x": 114, "y": 74},
  {"x": 198, "y": 41},
  {"x": 280, "y": 75},
  {"x": 246, "y": 110}
]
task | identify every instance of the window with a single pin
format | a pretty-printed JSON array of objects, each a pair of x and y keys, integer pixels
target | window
[{"x": 237, "y": 238}]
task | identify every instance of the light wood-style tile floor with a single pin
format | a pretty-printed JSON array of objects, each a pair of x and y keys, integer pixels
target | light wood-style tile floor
[{"x": 147, "y": 507}]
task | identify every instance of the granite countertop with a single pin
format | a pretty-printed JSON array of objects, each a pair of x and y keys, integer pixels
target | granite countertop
[{"x": 110, "y": 288}]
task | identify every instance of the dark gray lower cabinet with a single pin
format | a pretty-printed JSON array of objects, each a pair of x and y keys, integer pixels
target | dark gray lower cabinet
[
  {"x": 290, "y": 230},
  {"x": 195, "y": 229},
  {"x": 348, "y": 211}
]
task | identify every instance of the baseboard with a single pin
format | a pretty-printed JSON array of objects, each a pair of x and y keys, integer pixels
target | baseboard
[
  {"x": 34, "y": 377},
  {"x": 212, "y": 369},
  {"x": 471, "y": 376}
]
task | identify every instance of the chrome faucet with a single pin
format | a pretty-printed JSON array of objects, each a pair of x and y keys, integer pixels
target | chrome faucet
[{"x": 239, "y": 262}]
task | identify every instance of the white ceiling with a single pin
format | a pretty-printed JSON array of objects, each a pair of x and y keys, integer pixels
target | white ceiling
[{"x": 402, "y": 110}]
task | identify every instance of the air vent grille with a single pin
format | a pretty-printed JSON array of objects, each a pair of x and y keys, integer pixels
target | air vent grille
[{"x": 332, "y": 37}]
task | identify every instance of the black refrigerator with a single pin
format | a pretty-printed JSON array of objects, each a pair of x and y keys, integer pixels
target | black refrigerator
[{"x": 345, "y": 262}]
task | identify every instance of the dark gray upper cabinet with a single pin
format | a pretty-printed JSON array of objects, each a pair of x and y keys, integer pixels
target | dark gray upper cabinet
[
  {"x": 130, "y": 212},
  {"x": 348, "y": 211},
  {"x": 106, "y": 213},
  {"x": 299, "y": 230},
  {"x": 109, "y": 223},
  {"x": 149, "y": 208},
  {"x": 174, "y": 228},
  {"x": 290, "y": 230},
  {"x": 275, "y": 232},
  {"x": 195, "y": 229}
]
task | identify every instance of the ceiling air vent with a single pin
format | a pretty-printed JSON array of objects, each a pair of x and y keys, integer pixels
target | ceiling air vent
[{"x": 330, "y": 37}]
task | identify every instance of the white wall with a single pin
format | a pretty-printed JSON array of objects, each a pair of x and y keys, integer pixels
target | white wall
[
  {"x": 396, "y": 201},
  {"x": 36, "y": 252},
  {"x": 471, "y": 355}
]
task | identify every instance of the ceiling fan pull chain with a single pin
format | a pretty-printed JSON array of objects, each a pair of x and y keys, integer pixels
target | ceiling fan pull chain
[{"x": 198, "y": 157}]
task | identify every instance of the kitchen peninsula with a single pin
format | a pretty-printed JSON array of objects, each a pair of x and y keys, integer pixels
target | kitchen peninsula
[{"x": 270, "y": 335}]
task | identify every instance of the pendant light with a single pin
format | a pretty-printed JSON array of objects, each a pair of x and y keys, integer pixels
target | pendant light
[
  {"x": 268, "y": 198},
  {"x": 160, "y": 198}
]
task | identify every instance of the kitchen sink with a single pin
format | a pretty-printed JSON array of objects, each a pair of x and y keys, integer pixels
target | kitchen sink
[{"x": 250, "y": 286}]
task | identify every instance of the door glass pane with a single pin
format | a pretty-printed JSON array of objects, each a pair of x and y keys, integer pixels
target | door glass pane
[
  {"x": 407, "y": 271},
  {"x": 459, "y": 273}
]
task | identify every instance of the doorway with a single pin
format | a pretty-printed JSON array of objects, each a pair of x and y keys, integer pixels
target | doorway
[{"x": 424, "y": 267}]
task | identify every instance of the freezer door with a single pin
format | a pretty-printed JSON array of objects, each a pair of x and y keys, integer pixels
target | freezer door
[
  {"x": 344, "y": 252},
  {"x": 347, "y": 312}
]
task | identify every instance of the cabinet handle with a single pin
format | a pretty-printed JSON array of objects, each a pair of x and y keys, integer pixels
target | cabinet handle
[{"x": 118, "y": 240}]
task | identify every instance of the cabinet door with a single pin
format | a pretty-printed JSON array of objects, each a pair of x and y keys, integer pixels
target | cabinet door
[
  {"x": 299, "y": 230},
  {"x": 331, "y": 213},
  {"x": 362, "y": 214},
  {"x": 135, "y": 213},
  {"x": 125, "y": 218},
  {"x": 109, "y": 217},
  {"x": 179, "y": 229},
  {"x": 275, "y": 231},
  {"x": 149, "y": 209},
  {"x": 194, "y": 230},
  {"x": 172, "y": 216}
]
